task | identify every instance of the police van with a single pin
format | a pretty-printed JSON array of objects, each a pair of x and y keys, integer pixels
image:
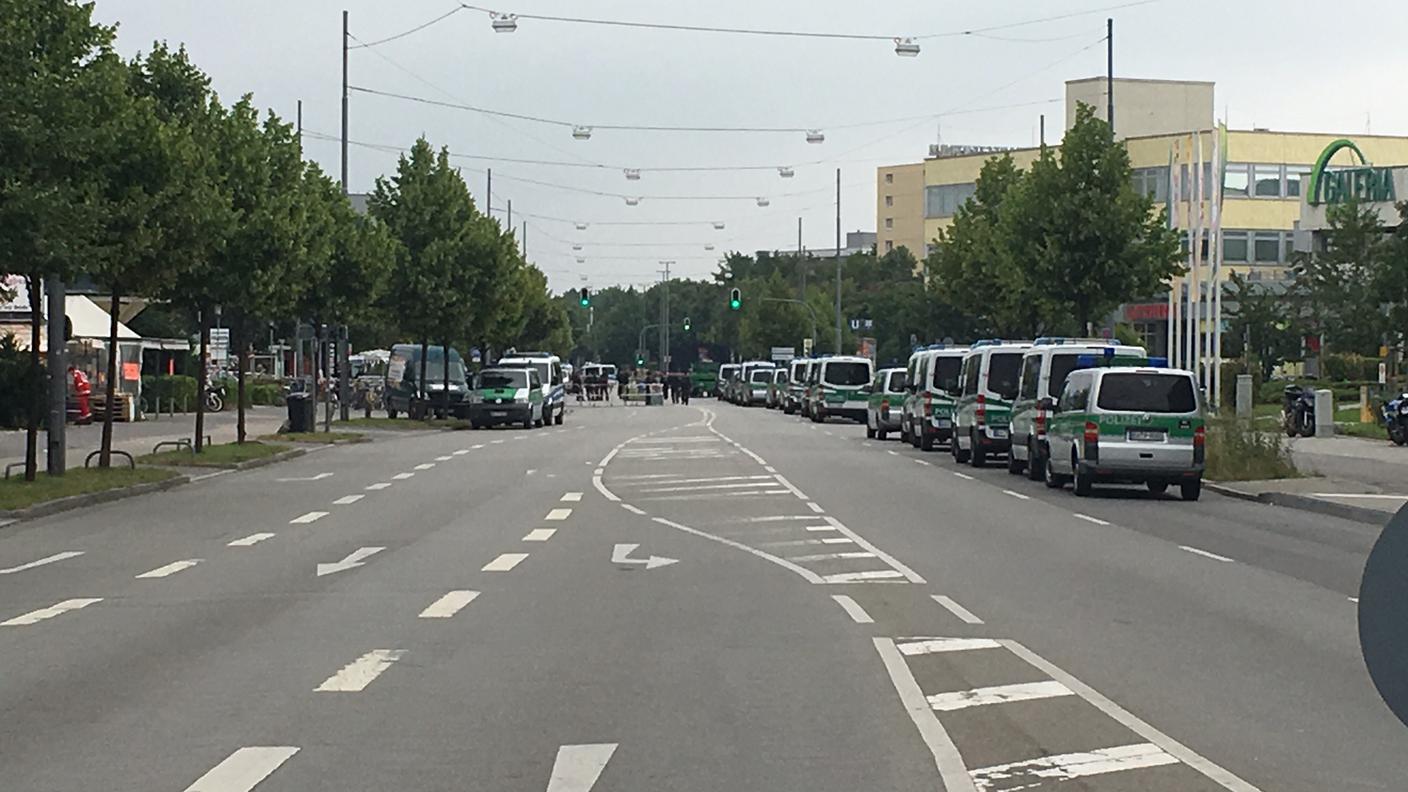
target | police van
[
  {"x": 930, "y": 395},
  {"x": 549, "y": 368},
  {"x": 884, "y": 397},
  {"x": 752, "y": 385},
  {"x": 839, "y": 382},
  {"x": 983, "y": 412},
  {"x": 795, "y": 394},
  {"x": 727, "y": 372},
  {"x": 1141, "y": 425}
]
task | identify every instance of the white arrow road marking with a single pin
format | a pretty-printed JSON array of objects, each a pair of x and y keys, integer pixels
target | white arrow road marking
[
  {"x": 448, "y": 605},
  {"x": 558, "y": 514},
  {"x": 572, "y": 497},
  {"x": 244, "y": 769},
  {"x": 318, "y": 477},
  {"x": 504, "y": 562},
  {"x": 249, "y": 541},
  {"x": 50, "y": 612},
  {"x": 853, "y": 609},
  {"x": 347, "y": 500},
  {"x": 357, "y": 558},
  {"x": 539, "y": 534},
  {"x": 356, "y": 675},
  {"x": 311, "y": 516},
  {"x": 170, "y": 569},
  {"x": 620, "y": 551},
  {"x": 41, "y": 562},
  {"x": 577, "y": 767},
  {"x": 381, "y": 485}
]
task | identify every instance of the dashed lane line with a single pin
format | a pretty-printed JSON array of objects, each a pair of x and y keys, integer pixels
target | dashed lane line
[
  {"x": 558, "y": 514},
  {"x": 443, "y": 458},
  {"x": 169, "y": 569},
  {"x": 312, "y": 516},
  {"x": 356, "y": 675},
  {"x": 1064, "y": 767},
  {"x": 251, "y": 540},
  {"x": 53, "y": 559},
  {"x": 461, "y": 452},
  {"x": 892, "y": 452},
  {"x": 572, "y": 497},
  {"x": 539, "y": 534},
  {"x": 1206, "y": 554},
  {"x": 963, "y": 476},
  {"x": 402, "y": 476},
  {"x": 36, "y": 616},
  {"x": 381, "y": 485},
  {"x": 504, "y": 562},
  {"x": 1089, "y": 519},
  {"x": 347, "y": 500},
  {"x": 449, "y": 605},
  {"x": 956, "y": 609},
  {"x": 852, "y": 609},
  {"x": 577, "y": 767},
  {"x": 424, "y": 466},
  {"x": 477, "y": 447},
  {"x": 1017, "y": 495},
  {"x": 244, "y": 769},
  {"x": 924, "y": 462}
]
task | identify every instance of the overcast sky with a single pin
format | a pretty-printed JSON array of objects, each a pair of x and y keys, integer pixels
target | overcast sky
[{"x": 1283, "y": 64}]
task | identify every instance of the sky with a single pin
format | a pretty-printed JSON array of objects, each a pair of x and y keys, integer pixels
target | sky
[{"x": 1280, "y": 64}]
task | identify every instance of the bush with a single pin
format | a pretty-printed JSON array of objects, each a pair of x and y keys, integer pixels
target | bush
[
  {"x": 16, "y": 382},
  {"x": 262, "y": 393},
  {"x": 1338, "y": 367},
  {"x": 1237, "y": 451},
  {"x": 167, "y": 387}
]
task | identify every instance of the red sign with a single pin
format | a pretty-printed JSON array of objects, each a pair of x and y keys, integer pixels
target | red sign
[
  {"x": 1146, "y": 312},
  {"x": 131, "y": 371}
]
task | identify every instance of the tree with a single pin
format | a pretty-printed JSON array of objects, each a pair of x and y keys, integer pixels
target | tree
[
  {"x": 1259, "y": 325},
  {"x": 1338, "y": 287},
  {"x": 1391, "y": 280}
]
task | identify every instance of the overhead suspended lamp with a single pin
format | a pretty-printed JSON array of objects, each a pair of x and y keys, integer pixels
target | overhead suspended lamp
[
  {"x": 718, "y": 226},
  {"x": 815, "y": 136},
  {"x": 786, "y": 172},
  {"x": 632, "y": 201},
  {"x": 708, "y": 247},
  {"x": 504, "y": 23},
  {"x": 576, "y": 247},
  {"x": 581, "y": 260},
  {"x": 632, "y": 174},
  {"x": 906, "y": 47},
  {"x": 581, "y": 226},
  {"x": 763, "y": 201},
  {"x": 582, "y": 132}
]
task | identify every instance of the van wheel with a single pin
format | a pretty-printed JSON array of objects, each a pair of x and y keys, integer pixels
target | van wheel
[
  {"x": 1190, "y": 490},
  {"x": 926, "y": 441},
  {"x": 1035, "y": 464},
  {"x": 1014, "y": 465},
  {"x": 528, "y": 422},
  {"x": 959, "y": 455},
  {"x": 977, "y": 458},
  {"x": 880, "y": 434},
  {"x": 1157, "y": 487},
  {"x": 390, "y": 413},
  {"x": 1053, "y": 479},
  {"x": 560, "y": 416},
  {"x": 869, "y": 430},
  {"x": 1080, "y": 481},
  {"x": 904, "y": 430}
]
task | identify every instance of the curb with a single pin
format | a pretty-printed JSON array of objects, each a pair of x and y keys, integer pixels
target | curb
[
  {"x": 1303, "y": 503},
  {"x": 92, "y": 499},
  {"x": 282, "y": 456}
]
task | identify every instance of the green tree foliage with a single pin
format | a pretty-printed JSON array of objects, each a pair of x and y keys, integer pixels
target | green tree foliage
[
  {"x": 1391, "y": 281},
  {"x": 1338, "y": 288},
  {"x": 1260, "y": 325}
]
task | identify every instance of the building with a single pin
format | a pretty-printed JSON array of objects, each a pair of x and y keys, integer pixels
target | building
[
  {"x": 856, "y": 242},
  {"x": 899, "y": 208}
]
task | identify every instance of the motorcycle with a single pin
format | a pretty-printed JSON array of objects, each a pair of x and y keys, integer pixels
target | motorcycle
[
  {"x": 214, "y": 398},
  {"x": 1395, "y": 415},
  {"x": 1298, "y": 411}
]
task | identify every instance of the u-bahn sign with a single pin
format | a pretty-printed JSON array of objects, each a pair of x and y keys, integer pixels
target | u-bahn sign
[{"x": 1365, "y": 183}]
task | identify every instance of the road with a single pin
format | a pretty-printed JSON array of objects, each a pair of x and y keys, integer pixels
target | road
[{"x": 680, "y": 598}]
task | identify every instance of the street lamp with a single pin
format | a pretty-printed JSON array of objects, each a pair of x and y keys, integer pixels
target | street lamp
[
  {"x": 582, "y": 132},
  {"x": 504, "y": 23},
  {"x": 763, "y": 201},
  {"x": 581, "y": 226},
  {"x": 632, "y": 201},
  {"x": 906, "y": 48},
  {"x": 708, "y": 247},
  {"x": 786, "y": 172},
  {"x": 815, "y": 136},
  {"x": 718, "y": 226},
  {"x": 576, "y": 247}
]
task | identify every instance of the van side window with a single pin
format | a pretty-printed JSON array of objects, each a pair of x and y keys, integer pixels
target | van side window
[
  {"x": 1074, "y": 395},
  {"x": 970, "y": 374},
  {"x": 1031, "y": 370}
]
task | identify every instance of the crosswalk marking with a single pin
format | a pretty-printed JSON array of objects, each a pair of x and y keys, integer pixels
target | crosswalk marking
[
  {"x": 956, "y": 609},
  {"x": 348, "y": 500},
  {"x": 504, "y": 562},
  {"x": 356, "y": 675},
  {"x": 251, "y": 540},
  {"x": 311, "y": 516},
  {"x": 571, "y": 497},
  {"x": 769, "y": 482},
  {"x": 242, "y": 770},
  {"x": 577, "y": 767},
  {"x": 36, "y": 616},
  {"x": 449, "y": 605},
  {"x": 923, "y": 646},
  {"x": 1064, "y": 767},
  {"x": 861, "y": 577},
  {"x": 833, "y": 556},
  {"x": 998, "y": 694}
]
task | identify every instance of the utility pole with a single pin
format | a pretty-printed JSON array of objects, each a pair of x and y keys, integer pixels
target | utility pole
[
  {"x": 838, "y": 261},
  {"x": 344, "y": 103},
  {"x": 58, "y": 378},
  {"x": 300, "y": 125},
  {"x": 1043, "y": 131},
  {"x": 1110, "y": 72},
  {"x": 665, "y": 321},
  {"x": 525, "y": 240},
  {"x": 800, "y": 268},
  {"x": 341, "y": 345},
  {"x": 488, "y": 192},
  {"x": 509, "y": 222}
]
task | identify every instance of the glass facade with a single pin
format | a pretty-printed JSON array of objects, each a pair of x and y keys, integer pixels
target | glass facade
[{"x": 943, "y": 200}]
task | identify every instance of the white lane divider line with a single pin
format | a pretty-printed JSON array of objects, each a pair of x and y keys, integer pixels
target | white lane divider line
[
  {"x": 832, "y": 556},
  {"x": 1017, "y": 495},
  {"x": 1206, "y": 554},
  {"x": 461, "y": 452},
  {"x": 891, "y": 452},
  {"x": 1089, "y": 519},
  {"x": 497, "y": 442},
  {"x": 871, "y": 576},
  {"x": 769, "y": 468},
  {"x": 572, "y": 497},
  {"x": 476, "y": 447},
  {"x": 449, "y": 605},
  {"x": 952, "y": 771},
  {"x": 775, "y": 518},
  {"x": 251, "y": 540},
  {"x": 539, "y": 534},
  {"x": 443, "y": 458},
  {"x": 53, "y": 559},
  {"x": 1063, "y": 767},
  {"x": 356, "y": 675},
  {"x": 244, "y": 769},
  {"x": 36, "y": 616},
  {"x": 312, "y": 516},
  {"x": 789, "y": 485},
  {"x": 424, "y": 466},
  {"x": 767, "y": 482},
  {"x": 380, "y": 485},
  {"x": 401, "y": 476},
  {"x": 709, "y": 480},
  {"x": 956, "y": 609},
  {"x": 852, "y": 609},
  {"x": 924, "y": 462},
  {"x": 558, "y": 514},
  {"x": 1355, "y": 600},
  {"x": 963, "y": 476},
  {"x": 924, "y": 646},
  {"x": 519, "y": 437},
  {"x": 830, "y": 540},
  {"x": 504, "y": 562},
  {"x": 347, "y": 500},
  {"x": 632, "y": 509},
  {"x": 820, "y": 528},
  {"x": 170, "y": 569},
  {"x": 814, "y": 507},
  {"x": 577, "y": 767},
  {"x": 998, "y": 694},
  {"x": 905, "y": 571}
]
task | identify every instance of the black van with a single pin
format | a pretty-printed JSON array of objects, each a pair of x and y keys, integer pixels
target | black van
[{"x": 403, "y": 382}]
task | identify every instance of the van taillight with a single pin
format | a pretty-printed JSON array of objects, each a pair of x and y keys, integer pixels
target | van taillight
[
  {"x": 928, "y": 404},
  {"x": 884, "y": 405},
  {"x": 1040, "y": 421},
  {"x": 1092, "y": 432},
  {"x": 980, "y": 416},
  {"x": 1200, "y": 437}
]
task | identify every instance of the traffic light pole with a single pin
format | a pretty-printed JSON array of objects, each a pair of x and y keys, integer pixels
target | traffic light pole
[{"x": 640, "y": 342}]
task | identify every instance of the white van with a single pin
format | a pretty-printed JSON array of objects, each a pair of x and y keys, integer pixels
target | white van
[{"x": 549, "y": 368}]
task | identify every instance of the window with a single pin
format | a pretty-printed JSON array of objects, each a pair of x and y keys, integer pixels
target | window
[
  {"x": 1151, "y": 393},
  {"x": 1031, "y": 369},
  {"x": 1074, "y": 395},
  {"x": 503, "y": 379},
  {"x": 846, "y": 373},
  {"x": 1186, "y": 173},
  {"x": 889, "y": 245},
  {"x": 1266, "y": 181},
  {"x": 889, "y": 200},
  {"x": 1266, "y": 247},
  {"x": 970, "y": 374},
  {"x": 1234, "y": 246},
  {"x": 1235, "y": 181},
  {"x": 1295, "y": 176},
  {"x": 896, "y": 383},
  {"x": 1152, "y": 182},
  {"x": 889, "y": 178},
  {"x": 943, "y": 200},
  {"x": 1002, "y": 374},
  {"x": 889, "y": 222},
  {"x": 1061, "y": 367},
  {"x": 946, "y": 373}
]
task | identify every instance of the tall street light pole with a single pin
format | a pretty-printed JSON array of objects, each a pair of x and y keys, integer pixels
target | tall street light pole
[
  {"x": 838, "y": 261},
  {"x": 341, "y": 343},
  {"x": 1110, "y": 72},
  {"x": 665, "y": 321}
]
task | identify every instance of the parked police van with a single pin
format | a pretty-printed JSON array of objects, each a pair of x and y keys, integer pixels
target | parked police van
[
  {"x": 777, "y": 388},
  {"x": 988, "y": 386},
  {"x": 1142, "y": 425},
  {"x": 549, "y": 368},
  {"x": 884, "y": 402},
  {"x": 750, "y": 388},
  {"x": 795, "y": 394},
  {"x": 840, "y": 380},
  {"x": 930, "y": 395},
  {"x": 1044, "y": 370},
  {"x": 726, "y": 374}
]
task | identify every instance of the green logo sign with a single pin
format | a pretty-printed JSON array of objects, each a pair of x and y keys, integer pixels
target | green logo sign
[{"x": 1365, "y": 183}]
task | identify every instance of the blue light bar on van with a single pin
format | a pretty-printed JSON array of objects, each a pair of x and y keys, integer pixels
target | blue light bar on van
[
  {"x": 1109, "y": 352},
  {"x": 1158, "y": 362},
  {"x": 1085, "y": 361}
]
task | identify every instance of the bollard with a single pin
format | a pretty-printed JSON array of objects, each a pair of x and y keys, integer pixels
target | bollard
[
  {"x": 1244, "y": 395},
  {"x": 1366, "y": 412},
  {"x": 1324, "y": 413}
]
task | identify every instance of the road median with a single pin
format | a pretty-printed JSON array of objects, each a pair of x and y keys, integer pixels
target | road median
[{"x": 21, "y": 500}]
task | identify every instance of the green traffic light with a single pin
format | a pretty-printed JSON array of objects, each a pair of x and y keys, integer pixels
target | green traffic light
[{"x": 735, "y": 304}]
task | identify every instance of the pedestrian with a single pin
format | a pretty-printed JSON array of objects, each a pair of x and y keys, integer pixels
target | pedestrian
[
  {"x": 685, "y": 386},
  {"x": 673, "y": 383}
]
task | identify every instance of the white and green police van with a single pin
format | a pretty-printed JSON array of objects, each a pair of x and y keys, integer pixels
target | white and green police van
[
  {"x": 509, "y": 395},
  {"x": 884, "y": 396},
  {"x": 550, "y": 377},
  {"x": 1140, "y": 425},
  {"x": 1044, "y": 370},
  {"x": 987, "y": 388},
  {"x": 931, "y": 394},
  {"x": 839, "y": 387},
  {"x": 795, "y": 395},
  {"x": 753, "y": 382},
  {"x": 727, "y": 372}
]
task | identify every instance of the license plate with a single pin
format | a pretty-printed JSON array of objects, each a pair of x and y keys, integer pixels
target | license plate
[
  {"x": 1140, "y": 436},
  {"x": 998, "y": 433},
  {"x": 943, "y": 423},
  {"x": 498, "y": 414}
]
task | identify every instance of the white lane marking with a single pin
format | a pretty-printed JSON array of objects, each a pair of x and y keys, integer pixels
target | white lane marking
[
  {"x": 1089, "y": 519},
  {"x": 356, "y": 675},
  {"x": 778, "y": 518},
  {"x": 814, "y": 507},
  {"x": 50, "y": 612},
  {"x": 888, "y": 451},
  {"x": 251, "y": 540},
  {"x": 572, "y": 497},
  {"x": 1206, "y": 554},
  {"x": 858, "y": 577},
  {"x": 852, "y": 609},
  {"x": 347, "y": 500},
  {"x": 733, "y": 495},
  {"x": 827, "y": 432},
  {"x": 923, "y": 646},
  {"x": 476, "y": 447},
  {"x": 55, "y": 558},
  {"x": 449, "y": 605},
  {"x": 539, "y": 534},
  {"x": 317, "y": 477},
  {"x": 710, "y": 480},
  {"x": 1184, "y": 754},
  {"x": 768, "y": 482},
  {"x": 1017, "y": 495},
  {"x": 558, "y": 514},
  {"x": 830, "y": 540},
  {"x": 244, "y": 769},
  {"x": 952, "y": 771},
  {"x": 963, "y": 476},
  {"x": 381, "y": 485},
  {"x": 311, "y": 516},
  {"x": 923, "y": 462},
  {"x": 520, "y": 437},
  {"x": 635, "y": 476},
  {"x": 461, "y": 452},
  {"x": 170, "y": 569},
  {"x": 1355, "y": 600},
  {"x": 1063, "y": 767},
  {"x": 806, "y": 574},
  {"x": 770, "y": 468},
  {"x": 443, "y": 458},
  {"x": 832, "y": 556},
  {"x": 402, "y": 476},
  {"x": 998, "y": 694},
  {"x": 605, "y": 493},
  {"x": 633, "y": 510},
  {"x": 201, "y": 477},
  {"x": 820, "y": 528},
  {"x": 956, "y": 609},
  {"x": 789, "y": 485},
  {"x": 909, "y": 574},
  {"x": 577, "y": 767},
  {"x": 353, "y": 560},
  {"x": 424, "y": 466},
  {"x": 497, "y": 442},
  {"x": 504, "y": 562},
  {"x": 1357, "y": 495}
]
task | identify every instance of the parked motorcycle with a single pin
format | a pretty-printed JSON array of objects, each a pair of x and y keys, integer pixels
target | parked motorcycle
[
  {"x": 1395, "y": 415},
  {"x": 1298, "y": 411},
  {"x": 214, "y": 398}
]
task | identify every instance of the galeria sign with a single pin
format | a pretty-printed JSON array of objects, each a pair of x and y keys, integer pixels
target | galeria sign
[{"x": 1365, "y": 183}]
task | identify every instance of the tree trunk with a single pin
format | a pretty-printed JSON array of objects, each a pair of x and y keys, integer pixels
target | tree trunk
[
  {"x": 240, "y": 358},
  {"x": 110, "y": 387},
  {"x": 420, "y": 374},
  {"x": 445, "y": 381},
  {"x": 31, "y": 429},
  {"x": 202, "y": 378}
]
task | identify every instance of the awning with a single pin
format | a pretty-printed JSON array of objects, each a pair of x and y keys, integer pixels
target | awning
[{"x": 91, "y": 322}]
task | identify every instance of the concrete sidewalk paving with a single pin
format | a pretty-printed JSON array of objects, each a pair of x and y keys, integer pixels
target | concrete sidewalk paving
[{"x": 1348, "y": 499}]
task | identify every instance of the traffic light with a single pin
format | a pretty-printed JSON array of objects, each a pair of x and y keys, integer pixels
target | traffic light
[
  {"x": 735, "y": 299},
  {"x": 585, "y": 297},
  {"x": 640, "y": 359},
  {"x": 686, "y": 324}
]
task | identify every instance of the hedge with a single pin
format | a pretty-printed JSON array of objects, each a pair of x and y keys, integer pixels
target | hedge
[{"x": 165, "y": 388}]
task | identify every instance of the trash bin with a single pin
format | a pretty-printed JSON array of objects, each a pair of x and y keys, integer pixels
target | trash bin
[{"x": 301, "y": 412}]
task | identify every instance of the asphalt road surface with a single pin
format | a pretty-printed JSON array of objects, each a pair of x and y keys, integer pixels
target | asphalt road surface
[{"x": 694, "y": 598}]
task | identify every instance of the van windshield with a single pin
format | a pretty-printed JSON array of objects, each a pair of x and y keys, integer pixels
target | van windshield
[
  {"x": 1061, "y": 367},
  {"x": 846, "y": 374},
  {"x": 760, "y": 375},
  {"x": 503, "y": 379},
  {"x": 1003, "y": 368},
  {"x": 1151, "y": 393},
  {"x": 435, "y": 372},
  {"x": 895, "y": 383},
  {"x": 946, "y": 373}
]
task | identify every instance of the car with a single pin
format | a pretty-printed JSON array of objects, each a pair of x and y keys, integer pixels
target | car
[
  {"x": 777, "y": 388},
  {"x": 549, "y": 368},
  {"x": 1043, "y": 374},
  {"x": 932, "y": 376},
  {"x": 837, "y": 389},
  {"x": 983, "y": 412},
  {"x": 726, "y": 374},
  {"x": 402, "y": 392},
  {"x": 797, "y": 373},
  {"x": 509, "y": 395},
  {"x": 1141, "y": 425},
  {"x": 884, "y": 403}
]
